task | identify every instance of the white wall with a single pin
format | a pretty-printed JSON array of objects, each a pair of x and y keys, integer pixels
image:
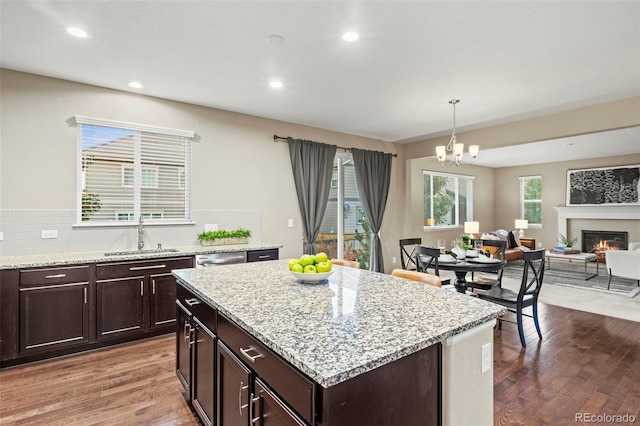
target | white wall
[{"x": 236, "y": 167}]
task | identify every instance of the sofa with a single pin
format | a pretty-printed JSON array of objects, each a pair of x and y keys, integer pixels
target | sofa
[
  {"x": 624, "y": 263},
  {"x": 515, "y": 247}
]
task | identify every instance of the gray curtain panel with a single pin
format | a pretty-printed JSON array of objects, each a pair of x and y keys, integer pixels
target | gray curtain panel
[
  {"x": 373, "y": 174},
  {"x": 312, "y": 165}
]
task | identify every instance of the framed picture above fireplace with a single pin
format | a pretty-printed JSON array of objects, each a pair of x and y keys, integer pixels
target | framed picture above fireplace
[{"x": 605, "y": 186}]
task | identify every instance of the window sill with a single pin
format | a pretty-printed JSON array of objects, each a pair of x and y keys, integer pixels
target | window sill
[{"x": 115, "y": 224}]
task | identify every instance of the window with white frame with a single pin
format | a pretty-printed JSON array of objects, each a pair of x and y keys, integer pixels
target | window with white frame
[
  {"x": 531, "y": 199},
  {"x": 128, "y": 170},
  {"x": 448, "y": 199}
]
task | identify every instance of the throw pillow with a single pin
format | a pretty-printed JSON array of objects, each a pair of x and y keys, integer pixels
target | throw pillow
[
  {"x": 511, "y": 241},
  {"x": 516, "y": 238}
]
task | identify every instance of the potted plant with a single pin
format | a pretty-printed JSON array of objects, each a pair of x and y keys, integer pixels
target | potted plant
[
  {"x": 565, "y": 242},
  {"x": 222, "y": 237}
]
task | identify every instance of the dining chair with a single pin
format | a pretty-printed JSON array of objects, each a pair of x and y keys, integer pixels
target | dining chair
[
  {"x": 349, "y": 263},
  {"x": 489, "y": 280},
  {"x": 407, "y": 256},
  {"x": 532, "y": 277},
  {"x": 430, "y": 279},
  {"x": 427, "y": 258}
]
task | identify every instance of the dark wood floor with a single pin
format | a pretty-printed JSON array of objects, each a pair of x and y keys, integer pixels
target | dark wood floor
[{"x": 586, "y": 363}]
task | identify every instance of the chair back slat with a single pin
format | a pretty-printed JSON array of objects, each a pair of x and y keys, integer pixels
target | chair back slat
[
  {"x": 427, "y": 258},
  {"x": 533, "y": 273},
  {"x": 407, "y": 255}
]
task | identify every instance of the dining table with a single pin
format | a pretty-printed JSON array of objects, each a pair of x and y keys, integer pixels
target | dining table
[{"x": 461, "y": 266}]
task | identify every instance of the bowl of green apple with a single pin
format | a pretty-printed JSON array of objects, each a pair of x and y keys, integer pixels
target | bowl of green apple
[{"x": 311, "y": 268}]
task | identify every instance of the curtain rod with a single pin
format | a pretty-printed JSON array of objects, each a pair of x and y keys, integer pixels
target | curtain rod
[{"x": 277, "y": 138}]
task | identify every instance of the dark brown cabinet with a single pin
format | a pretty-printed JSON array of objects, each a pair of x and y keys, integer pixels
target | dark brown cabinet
[
  {"x": 269, "y": 410},
  {"x": 136, "y": 296},
  {"x": 262, "y": 255},
  {"x": 196, "y": 352},
  {"x": 120, "y": 307},
  {"x": 54, "y": 308},
  {"x": 234, "y": 388},
  {"x": 53, "y": 311},
  {"x": 203, "y": 386},
  {"x": 162, "y": 300}
]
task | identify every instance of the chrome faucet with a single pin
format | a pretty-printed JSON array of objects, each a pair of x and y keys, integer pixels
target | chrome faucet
[{"x": 140, "y": 233}]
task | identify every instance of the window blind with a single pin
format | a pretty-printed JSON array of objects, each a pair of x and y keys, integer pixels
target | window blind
[{"x": 127, "y": 170}]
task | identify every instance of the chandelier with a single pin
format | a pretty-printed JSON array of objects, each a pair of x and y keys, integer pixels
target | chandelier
[{"x": 453, "y": 147}]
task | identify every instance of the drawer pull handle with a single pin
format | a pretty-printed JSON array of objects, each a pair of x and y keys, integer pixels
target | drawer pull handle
[
  {"x": 141, "y": 268},
  {"x": 142, "y": 288},
  {"x": 55, "y": 276},
  {"x": 264, "y": 256},
  {"x": 85, "y": 295},
  {"x": 245, "y": 352},
  {"x": 153, "y": 282},
  {"x": 241, "y": 406},
  {"x": 193, "y": 301}
]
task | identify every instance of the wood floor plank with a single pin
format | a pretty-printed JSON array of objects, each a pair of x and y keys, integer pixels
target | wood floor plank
[{"x": 584, "y": 363}]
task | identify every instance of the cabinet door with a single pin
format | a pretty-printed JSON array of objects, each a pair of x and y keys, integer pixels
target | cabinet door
[
  {"x": 53, "y": 316},
  {"x": 234, "y": 389},
  {"x": 269, "y": 410},
  {"x": 163, "y": 298},
  {"x": 120, "y": 307},
  {"x": 183, "y": 348},
  {"x": 203, "y": 385}
]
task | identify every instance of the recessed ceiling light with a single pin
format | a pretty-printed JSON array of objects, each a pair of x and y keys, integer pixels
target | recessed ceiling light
[
  {"x": 77, "y": 32},
  {"x": 136, "y": 85},
  {"x": 350, "y": 36},
  {"x": 276, "y": 84}
]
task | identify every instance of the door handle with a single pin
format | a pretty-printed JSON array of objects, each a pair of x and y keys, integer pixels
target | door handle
[{"x": 240, "y": 405}]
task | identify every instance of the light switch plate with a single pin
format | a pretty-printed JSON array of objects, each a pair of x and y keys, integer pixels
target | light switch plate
[
  {"x": 290, "y": 223},
  {"x": 49, "y": 233},
  {"x": 1, "y": 236}
]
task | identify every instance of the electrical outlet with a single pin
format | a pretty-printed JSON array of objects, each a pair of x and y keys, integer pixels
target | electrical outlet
[
  {"x": 50, "y": 233},
  {"x": 1, "y": 236},
  {"x": 393, "y": 260},
  {"x": 210, "y": 227},
  {"x": 290, "y": 223},
  {"x": 486, "y": 357},
  {"x": 539, "y": 244}
]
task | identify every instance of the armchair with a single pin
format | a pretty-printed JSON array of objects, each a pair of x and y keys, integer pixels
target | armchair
[{"x": 624, "y": 263}]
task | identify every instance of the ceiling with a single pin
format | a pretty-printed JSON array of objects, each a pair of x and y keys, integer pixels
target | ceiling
[{"x": 505, "y": 60}]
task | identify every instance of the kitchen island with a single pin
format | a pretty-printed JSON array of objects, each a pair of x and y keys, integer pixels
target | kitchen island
[{"x": 360, "y": 348}]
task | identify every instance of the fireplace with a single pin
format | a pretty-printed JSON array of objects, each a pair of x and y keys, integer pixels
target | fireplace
[{"x": 600, "y": 241}]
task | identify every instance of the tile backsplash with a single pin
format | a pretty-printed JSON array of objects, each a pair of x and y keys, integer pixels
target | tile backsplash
[{"x": 22, "y": 231}]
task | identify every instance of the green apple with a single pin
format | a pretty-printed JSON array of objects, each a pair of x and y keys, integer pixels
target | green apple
[
  {"x": 297, "y": 268},
  {"x": 323, "y": 267},
  {"x": 306, "y": 259},
  {"x": 291, "y": 263},
  {"x": 321, "y": 257},
  {"x": 310, "y": 269}
]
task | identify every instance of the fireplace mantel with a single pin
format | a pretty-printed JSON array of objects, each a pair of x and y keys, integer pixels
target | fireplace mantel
[{"x": 594, "y": 212}]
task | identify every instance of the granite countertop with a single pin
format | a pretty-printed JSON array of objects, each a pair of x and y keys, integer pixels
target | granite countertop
[
  {"x": 58, "y": 259},
  {"x": 334, "y": 331}
]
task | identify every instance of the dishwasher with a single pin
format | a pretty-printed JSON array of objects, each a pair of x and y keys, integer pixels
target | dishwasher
[{"x": 219, "y": 259}]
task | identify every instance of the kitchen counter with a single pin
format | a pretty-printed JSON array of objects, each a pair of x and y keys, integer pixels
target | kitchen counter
[
  {"x": 57, "y": 259},
  {"x": 335, "y": 331}
]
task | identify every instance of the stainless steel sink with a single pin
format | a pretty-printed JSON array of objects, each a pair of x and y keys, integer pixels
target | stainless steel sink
[{"x": 143, "y": 251}]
